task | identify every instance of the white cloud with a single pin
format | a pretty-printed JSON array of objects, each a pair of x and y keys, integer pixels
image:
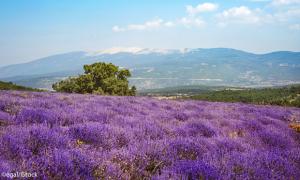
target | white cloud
[
  {"x": 205, "y": 7},
  {"x": 159, "y": 23},
  {"x": 285, "y": 13},
  {"x": 118, "y": 29},
  {"x": 260, "y": 0},
  {"x": 136, "y": 27},
  {"x": 192, "y": 22},
  {"x": 295, "y": 27},
  {"x": 242, "y": 15},
  {"x": 284, "y": 2},
  {"x": 286, "y": 16},
  {"x": 169, "y": 24},
  {"x": 148, "y": 25}
]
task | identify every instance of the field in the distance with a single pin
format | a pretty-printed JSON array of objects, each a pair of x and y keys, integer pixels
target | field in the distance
[
  {"x": 281, "y": 95},
  {"x": 12, "y": 86},
  {"x": 65, "y": 136}
]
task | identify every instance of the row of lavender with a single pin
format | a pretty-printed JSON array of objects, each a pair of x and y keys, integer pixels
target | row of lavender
[{"x": 65, "y": 136}]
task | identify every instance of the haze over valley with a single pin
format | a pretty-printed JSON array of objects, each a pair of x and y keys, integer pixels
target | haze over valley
[{"x": 160, "y": 68}]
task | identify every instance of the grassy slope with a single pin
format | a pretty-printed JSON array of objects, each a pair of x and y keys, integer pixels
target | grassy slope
[
  {"x": 11, "y": 86},
  {"x": 284, "y": 96},
  {"x": 174, "y": 91}
]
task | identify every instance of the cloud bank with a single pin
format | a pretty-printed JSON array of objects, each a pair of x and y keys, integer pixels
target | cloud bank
[{"x": 282, "y": 11}]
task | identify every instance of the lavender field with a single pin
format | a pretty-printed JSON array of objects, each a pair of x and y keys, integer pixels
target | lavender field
[{"x": 66, "y": 136}]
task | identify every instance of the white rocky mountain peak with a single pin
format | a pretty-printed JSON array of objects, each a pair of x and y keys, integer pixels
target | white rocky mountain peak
[{"x": 136, "y": 50}]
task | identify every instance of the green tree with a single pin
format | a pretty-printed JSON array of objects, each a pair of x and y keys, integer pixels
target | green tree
[{"x": 98, "y": 78}]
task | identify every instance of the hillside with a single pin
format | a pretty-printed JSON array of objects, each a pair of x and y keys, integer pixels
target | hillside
[
  {"x": 160, "y": 68},
  {"x": 182, "y": 90},
  {"x": 12, "y": 86},
  {"x": 70, "y": 136},
  {"x": 283, "y": 96}
]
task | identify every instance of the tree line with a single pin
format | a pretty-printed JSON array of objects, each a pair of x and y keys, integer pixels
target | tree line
[{"x": 284, "y": 96}]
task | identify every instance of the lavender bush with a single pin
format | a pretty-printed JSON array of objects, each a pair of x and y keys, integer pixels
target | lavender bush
[{"x": 69, "y": 136}]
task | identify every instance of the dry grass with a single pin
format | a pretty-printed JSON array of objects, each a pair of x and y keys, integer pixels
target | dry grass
[{"x": 295, "y": 126}]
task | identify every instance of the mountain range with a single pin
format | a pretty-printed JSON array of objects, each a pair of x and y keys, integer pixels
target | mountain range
[{"x": 160, "y": 68}]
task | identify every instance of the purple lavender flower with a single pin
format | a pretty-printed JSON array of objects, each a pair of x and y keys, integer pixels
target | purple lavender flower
[{"x": 71, "y": 136}]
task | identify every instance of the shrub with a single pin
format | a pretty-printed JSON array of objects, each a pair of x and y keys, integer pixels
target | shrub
[{"x": 98, "y": 78}]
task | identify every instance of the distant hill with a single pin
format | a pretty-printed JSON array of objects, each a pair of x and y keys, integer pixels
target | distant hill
[
  {"x": 158, "y": 68},
  {"x": 180, "y": 90},
  {"x": 282, "y": 96},
  {"x": 12, "y": 86}
]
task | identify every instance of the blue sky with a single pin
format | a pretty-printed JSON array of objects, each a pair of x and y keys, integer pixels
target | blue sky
[{"x": 30, "y": 29}]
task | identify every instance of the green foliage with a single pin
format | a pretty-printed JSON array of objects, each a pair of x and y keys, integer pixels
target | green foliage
[
  {"x": 180, "y": 90},
  {"x": 12, "y": 86},
  {"x": 98, "y": 78},
  {"x": 285, "y": 96}
]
